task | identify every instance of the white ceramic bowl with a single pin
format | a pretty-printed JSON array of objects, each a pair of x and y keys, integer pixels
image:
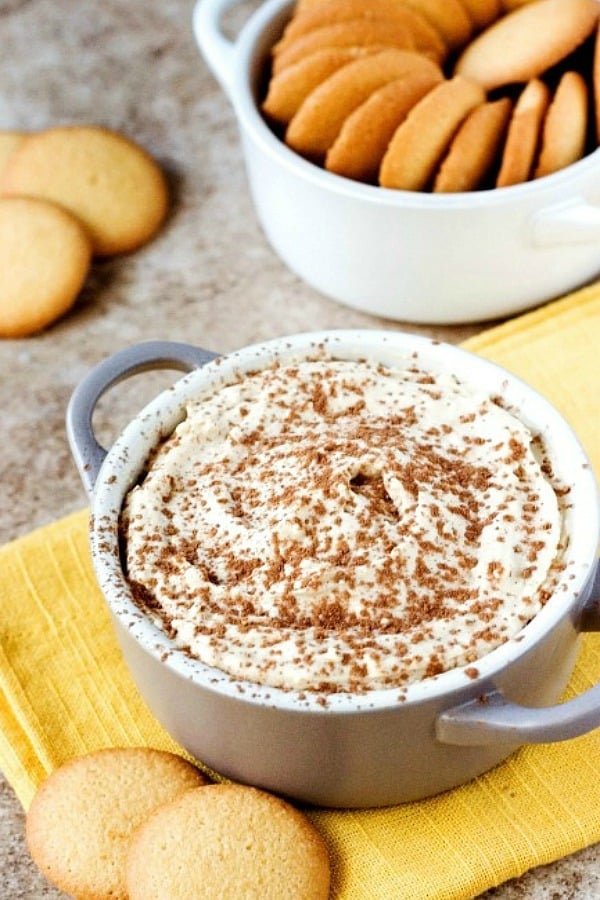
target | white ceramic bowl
[
  {"x": 361, "y": 750},
  {"x": 409, "y": 256}
]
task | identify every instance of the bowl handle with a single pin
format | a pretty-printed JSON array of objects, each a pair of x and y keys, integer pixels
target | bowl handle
[
  {"x": 492, "y": 719},
  {"x": 572, "y": 222},
  {"x": 87, "y": 452},
  {"x": 216, "y": 49}
]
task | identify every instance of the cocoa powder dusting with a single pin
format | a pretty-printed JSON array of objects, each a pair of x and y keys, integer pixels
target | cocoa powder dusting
[{"x": 333, "y": 527}]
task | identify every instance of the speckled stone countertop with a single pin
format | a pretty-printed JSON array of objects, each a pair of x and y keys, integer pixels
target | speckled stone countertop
[{"x": 209, "y": 278}]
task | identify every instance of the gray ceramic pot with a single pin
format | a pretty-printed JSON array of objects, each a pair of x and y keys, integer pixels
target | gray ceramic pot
[{"x": 360, "y": 750}]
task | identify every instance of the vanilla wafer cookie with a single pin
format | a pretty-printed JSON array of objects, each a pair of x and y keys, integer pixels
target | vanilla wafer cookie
[
  {"x": 80, "y": 821},
  {"x": 109, "y": 182},
  {"x": 44, "y": 260},
  {"x": 528, "y": 41},
  {"x": 523, "y": 136},
  {"x": 230, "y": 842},
  {"x": 565, "y": 126},
  {"x": 421, "y": 141},
  {"x": 475, "y": 148}
]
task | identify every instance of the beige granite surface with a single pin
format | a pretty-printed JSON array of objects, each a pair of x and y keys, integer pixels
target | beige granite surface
[{"x": 209, "y": 278}]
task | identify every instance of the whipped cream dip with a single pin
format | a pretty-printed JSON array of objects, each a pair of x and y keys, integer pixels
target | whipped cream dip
[{"x": 328, "y": 525}]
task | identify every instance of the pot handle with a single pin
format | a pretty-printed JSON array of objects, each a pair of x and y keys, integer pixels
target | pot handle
[
  {"x": 572, "y": 222},
  {"x": 87, "y": 452},
  {"x": 492, "y": 719},
  {"x": 216, "y": 49}
]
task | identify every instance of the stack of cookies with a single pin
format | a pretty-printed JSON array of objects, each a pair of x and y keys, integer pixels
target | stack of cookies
[
  {"x": 144, "y": 824},
  {"x": 68, "y": 194},
  {"x": 438, "y": 95}
]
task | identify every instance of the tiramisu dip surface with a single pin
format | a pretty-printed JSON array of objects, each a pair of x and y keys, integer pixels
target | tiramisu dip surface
[{"x": 336, "y": 525}]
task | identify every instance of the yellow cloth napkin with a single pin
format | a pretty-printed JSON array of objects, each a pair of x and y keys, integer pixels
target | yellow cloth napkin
[{"x": 64, "y": 689}]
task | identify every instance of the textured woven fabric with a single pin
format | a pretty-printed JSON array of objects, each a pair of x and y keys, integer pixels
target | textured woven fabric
[{"x": 64, "y": 689}]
